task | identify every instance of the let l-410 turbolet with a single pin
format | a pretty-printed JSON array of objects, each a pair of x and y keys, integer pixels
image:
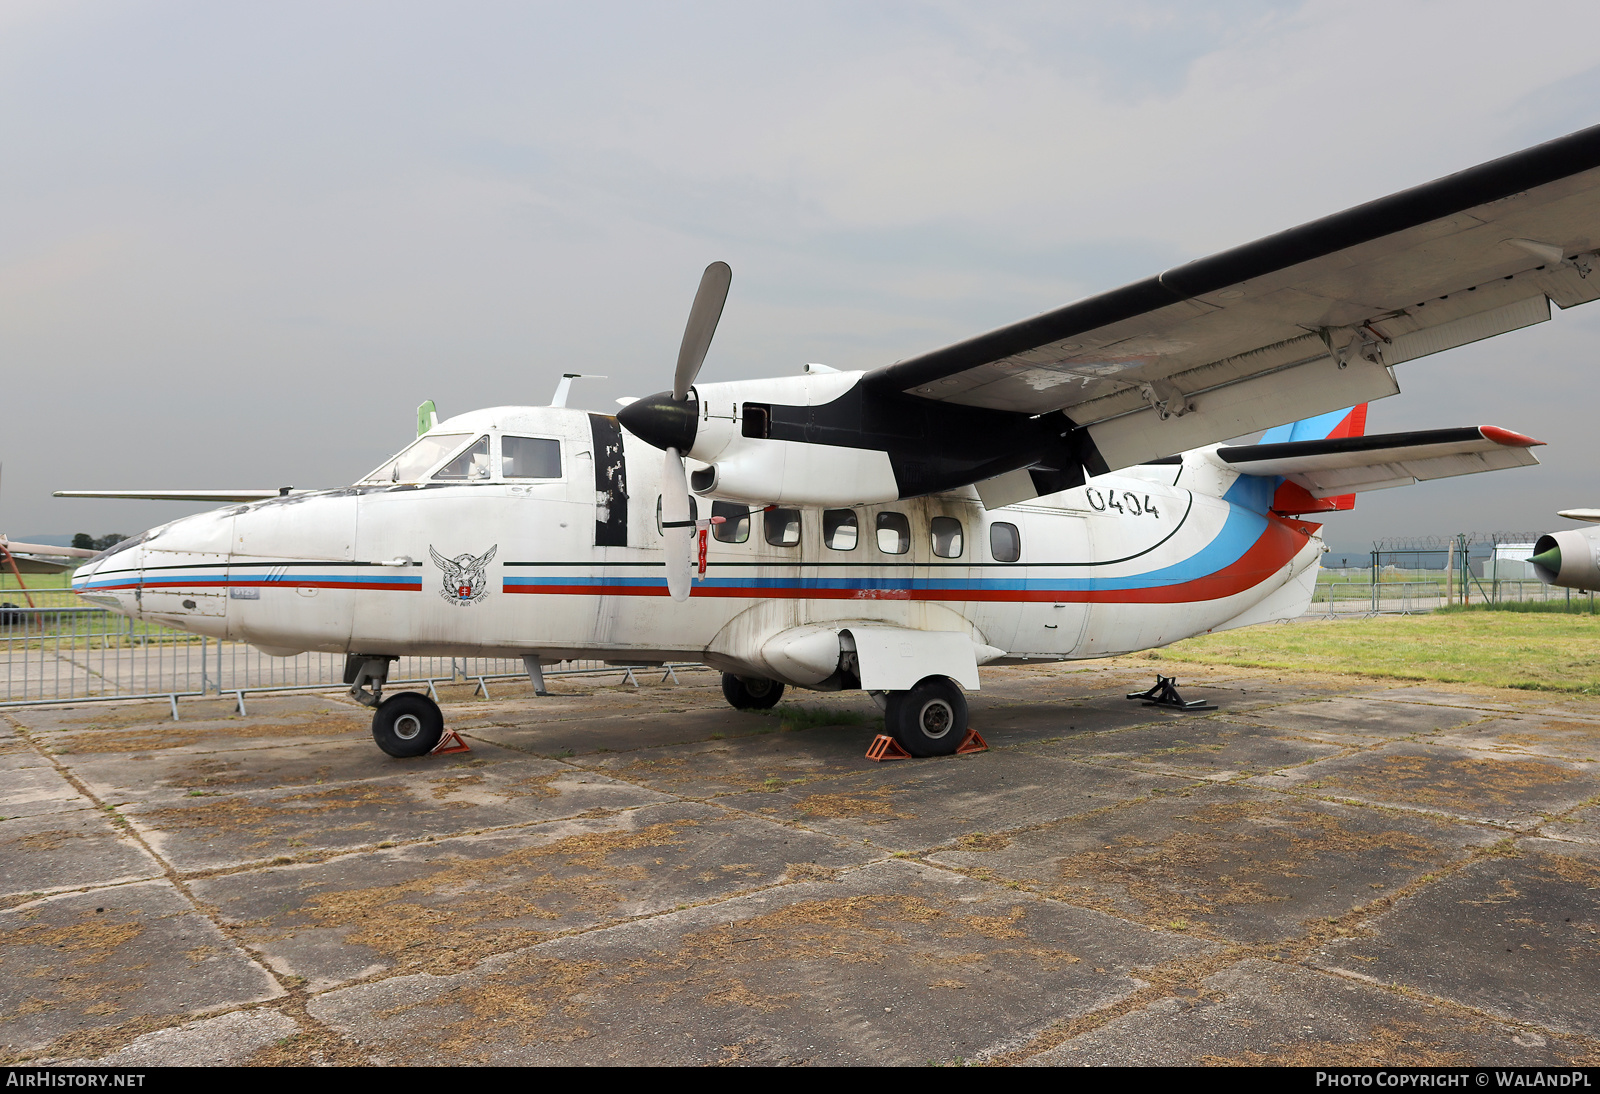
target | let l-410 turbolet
[{"x": 1053, "y": 489}]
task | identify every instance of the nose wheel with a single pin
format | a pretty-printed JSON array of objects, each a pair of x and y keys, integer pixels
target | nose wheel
[{"x": 407, "y": 724}]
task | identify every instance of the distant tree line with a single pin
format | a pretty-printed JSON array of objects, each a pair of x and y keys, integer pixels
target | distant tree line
[{"x": 85, "y": 541}]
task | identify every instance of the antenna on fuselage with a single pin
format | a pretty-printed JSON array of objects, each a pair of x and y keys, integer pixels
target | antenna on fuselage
[{"x": 560, "y": 397}]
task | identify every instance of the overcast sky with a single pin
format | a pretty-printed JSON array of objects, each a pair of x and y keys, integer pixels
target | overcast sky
[{"x": 240, "y": 242}]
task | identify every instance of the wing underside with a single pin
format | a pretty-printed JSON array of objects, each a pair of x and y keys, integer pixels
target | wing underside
[{"x": 1297, "y": 324}]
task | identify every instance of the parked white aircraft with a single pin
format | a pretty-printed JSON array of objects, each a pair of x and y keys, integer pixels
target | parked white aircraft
[
  {"x": 1570, "y": 559},
  {"x": 1053, "y": 489}
]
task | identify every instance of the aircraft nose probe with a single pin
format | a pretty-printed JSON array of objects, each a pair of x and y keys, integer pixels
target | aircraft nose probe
[{"x": 667, "y": 420}]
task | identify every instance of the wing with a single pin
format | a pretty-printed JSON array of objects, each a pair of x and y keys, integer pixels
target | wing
[
  {"x": 1349, "y": 465},
  {"x": 46, "y": 549},
  {"x": 1300, "y": 323},
  {"x": 181, "y": 495}
]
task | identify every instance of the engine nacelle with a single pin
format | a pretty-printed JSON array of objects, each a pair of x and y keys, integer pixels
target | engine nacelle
[
  {"x": 1569, "y": 559},
  {"x": 822, "y": 439}
]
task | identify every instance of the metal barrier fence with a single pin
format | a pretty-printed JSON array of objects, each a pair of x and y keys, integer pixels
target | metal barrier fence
[
  {"x": 84, "y": 654},
  {"x": 1408, "y": 596}
]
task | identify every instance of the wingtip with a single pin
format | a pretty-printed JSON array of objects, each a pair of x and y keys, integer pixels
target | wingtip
[{"x": 1506, "y": 437}]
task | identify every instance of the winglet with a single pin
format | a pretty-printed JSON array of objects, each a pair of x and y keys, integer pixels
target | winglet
[{"x": 427, "y": 417}]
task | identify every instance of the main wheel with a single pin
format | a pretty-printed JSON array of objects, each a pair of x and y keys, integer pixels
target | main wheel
[
  {"x": 750, "y": 692},
  {"x": 407, "y": 724},
  {"x": 928, "y": 720}
]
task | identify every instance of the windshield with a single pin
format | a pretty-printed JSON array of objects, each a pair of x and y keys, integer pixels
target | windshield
[{"x": 416, "y": 461}]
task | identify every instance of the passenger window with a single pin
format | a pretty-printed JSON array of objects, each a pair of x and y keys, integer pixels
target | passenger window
[
  {"x": 782, "y": 527},
  {"x": 894, "y": 533},
  {"x": 694, "y": 513},
  {"x": 735, "y": 527},
  {"x": 839, "y": 529},
  {"x": 946, "y": 537},
  {"x": 473, "y": 464},
  {"x": 1005, "y": 542},
  {"x": 530, "y": 458}
]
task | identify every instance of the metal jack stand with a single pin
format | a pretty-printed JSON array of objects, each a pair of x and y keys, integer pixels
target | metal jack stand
[{"x": 1165, "y": 694}]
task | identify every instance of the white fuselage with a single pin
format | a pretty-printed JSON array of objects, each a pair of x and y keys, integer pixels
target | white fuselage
[{"x": 1128, "y": 562}]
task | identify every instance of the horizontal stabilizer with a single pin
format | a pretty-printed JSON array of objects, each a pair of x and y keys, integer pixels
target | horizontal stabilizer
[
  {"x": 1349, "y": 465},
  {"x": 182, "y": 495},
  {"x": 1590, "y": 515}
]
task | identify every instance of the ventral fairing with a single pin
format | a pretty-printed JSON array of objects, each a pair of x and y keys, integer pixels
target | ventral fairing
[{"x": 1054, "y": 489}]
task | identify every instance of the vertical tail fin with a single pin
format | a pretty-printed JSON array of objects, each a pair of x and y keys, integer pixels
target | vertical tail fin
[
  {"x": 1340, "y": 423},
  {"x": 1291, "y": 497}
]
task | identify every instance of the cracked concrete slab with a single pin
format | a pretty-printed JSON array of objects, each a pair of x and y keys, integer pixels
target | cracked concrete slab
[
  {"x": 1264, "y": 1014},
  {"x": 1361, "y": 720},
  {"x": 1475, "y": 785},
  {"x": 227, "y": 1040},
  {"x": 1216, "y": 749},
  {"x": 913, "y": 804},
  {"x": 254, "y": 826},
  {"x": 1581, "y": 826},
  {"x": 54, "y": 851},
  {"x": 1230, "y": 862},
  {"x": 33, "y": 791},
  {"x": 443, "y": 906},
  {"x": 873, "y": 968},
  {"x": 1517, "y": 936},
  {"x": 1541, "y": 734},
  {"x": 75, "y": 962}
]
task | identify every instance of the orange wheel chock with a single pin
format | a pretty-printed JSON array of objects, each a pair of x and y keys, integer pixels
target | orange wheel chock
[
  {"x": 885, "y": 747},
  {"x": 972, "y": 743},
  {"x": 450, "y": 742}
]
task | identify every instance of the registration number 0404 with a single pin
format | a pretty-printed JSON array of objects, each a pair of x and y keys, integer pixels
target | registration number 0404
[{"x": 1124, "y": 502}]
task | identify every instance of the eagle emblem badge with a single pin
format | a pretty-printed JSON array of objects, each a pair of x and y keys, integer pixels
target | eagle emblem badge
[{"x": 464, "y": 579}]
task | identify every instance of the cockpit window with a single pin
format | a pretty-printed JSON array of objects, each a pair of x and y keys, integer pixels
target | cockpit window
[
  {"x": 530, "y": 457},
  {"x": 418, "y": 460},
  {"x": 471, "y": 466}
]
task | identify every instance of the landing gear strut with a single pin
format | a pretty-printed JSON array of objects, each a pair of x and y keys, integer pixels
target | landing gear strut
[
  {"x": 407, "y": 723},
  {"x": 750, "y": 692},
  {"x": 928, "y": 720}
]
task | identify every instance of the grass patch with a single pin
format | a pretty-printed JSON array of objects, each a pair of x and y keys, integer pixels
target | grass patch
[
  {"x": 1539, "y": 651},
  {"x": 1578, "y": 605},
  {"x": 792, "y": 716}
]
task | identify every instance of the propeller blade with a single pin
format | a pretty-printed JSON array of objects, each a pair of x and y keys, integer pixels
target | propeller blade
[
  {"x": 675, "y": 524},
  {"x": 703, "y": 317}
]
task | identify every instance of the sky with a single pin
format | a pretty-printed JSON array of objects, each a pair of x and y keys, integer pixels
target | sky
[{"x": 240, "y": 242}]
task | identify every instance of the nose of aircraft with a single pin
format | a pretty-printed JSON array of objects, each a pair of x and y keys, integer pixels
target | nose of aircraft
[{"x": 111, "y": 578}]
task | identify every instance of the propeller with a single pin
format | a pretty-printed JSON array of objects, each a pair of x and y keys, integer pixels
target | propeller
[{"x": 676, "y": 524}]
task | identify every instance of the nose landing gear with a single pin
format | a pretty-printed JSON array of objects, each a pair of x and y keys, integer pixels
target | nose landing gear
[{"x": 407, "y": 723}]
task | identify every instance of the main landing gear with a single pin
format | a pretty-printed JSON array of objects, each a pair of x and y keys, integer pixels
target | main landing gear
[
  {"x": 407, "y": 723},
  {"x": 928, "y": 720},
  {"x": 750, "y": 692}
]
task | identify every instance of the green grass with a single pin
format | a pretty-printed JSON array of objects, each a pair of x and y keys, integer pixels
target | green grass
[
  {"x": 792, "y": 716},
  {"x": 1578, "y": 605},
  {"x": 1534, "y": 650}
]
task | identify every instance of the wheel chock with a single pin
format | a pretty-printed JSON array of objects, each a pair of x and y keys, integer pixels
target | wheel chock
[
  {"x": 885, "y": 747},
  {"x": 450, "y": 742},
  {"x": 972, "y": 742}
]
